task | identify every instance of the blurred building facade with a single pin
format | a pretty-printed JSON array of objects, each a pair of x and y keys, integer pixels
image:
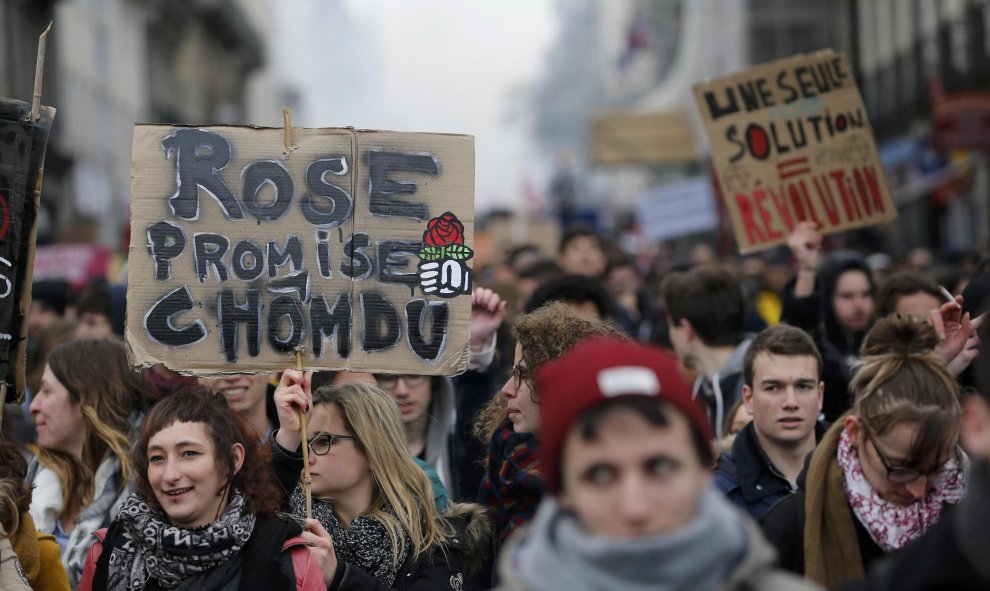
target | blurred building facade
[
  {"x": 111, "y": 63},
  {"x": 650, "y": 52}
]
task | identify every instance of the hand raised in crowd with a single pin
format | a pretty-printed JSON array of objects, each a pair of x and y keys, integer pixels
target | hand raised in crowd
[
  {"x": 805, "y": 243},
  {"x": 292, "y": 395},
  {"x": 487, "y": 314},
  {"x": 957, "y": 340},
  {"x": 321, "y": 548},
  {"x": 970, "y": 350}
]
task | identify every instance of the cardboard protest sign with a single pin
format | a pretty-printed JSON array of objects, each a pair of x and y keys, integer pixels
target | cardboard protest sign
[
  {"x": 22, "y": 155},
  {"x": 353, "y": 245},
  {"x": 790, "y": 142}
]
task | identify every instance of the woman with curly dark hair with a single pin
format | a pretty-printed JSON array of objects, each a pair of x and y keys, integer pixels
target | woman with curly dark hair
[
  {"x": 510, "y": 424},
  {"x": 204, "y": 512}
]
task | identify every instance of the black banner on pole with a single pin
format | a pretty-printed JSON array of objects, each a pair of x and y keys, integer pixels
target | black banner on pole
[{"x": 22, "y": 156}]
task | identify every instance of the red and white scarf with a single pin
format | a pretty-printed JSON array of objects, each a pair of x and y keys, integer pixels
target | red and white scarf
[{"x": 890, "y": 525}]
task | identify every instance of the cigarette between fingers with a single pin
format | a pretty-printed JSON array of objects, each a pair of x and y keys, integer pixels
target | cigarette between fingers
[{"x": 948, "y": 296}]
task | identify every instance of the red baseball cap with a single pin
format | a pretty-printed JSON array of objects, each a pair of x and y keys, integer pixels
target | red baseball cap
[{"x": 595, "y": 371}]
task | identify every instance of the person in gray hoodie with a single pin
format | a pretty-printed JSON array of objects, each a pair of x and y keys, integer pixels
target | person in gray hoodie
[
  {"x": 707, "y": 310},
  {"x": 629, "y": 504},
  {"x": 427, "y": 404}
]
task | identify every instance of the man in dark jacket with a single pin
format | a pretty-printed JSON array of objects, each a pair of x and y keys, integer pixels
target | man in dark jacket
[
  {"x": 783, "y": 392},
  {"x": 706, "y": 310}
]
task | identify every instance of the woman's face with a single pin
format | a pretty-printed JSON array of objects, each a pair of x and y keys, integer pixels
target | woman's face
[
  {"x": 523, "y": 411},
  {"x": 892, "y": 449},
  {"x": 57, "y": 418},
  {"x": 344, "y": 469},
  {"x": 186, "y": 477}
]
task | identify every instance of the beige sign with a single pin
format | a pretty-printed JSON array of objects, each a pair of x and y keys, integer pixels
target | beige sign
[
  {"x": 353, "y": 246},
  {"x": 791, "y": 142}
]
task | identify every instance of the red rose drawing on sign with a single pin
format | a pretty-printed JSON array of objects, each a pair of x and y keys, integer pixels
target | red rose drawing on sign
[
  {"x": 443, "y": 270},
  {"x": 444, "y": 230}
]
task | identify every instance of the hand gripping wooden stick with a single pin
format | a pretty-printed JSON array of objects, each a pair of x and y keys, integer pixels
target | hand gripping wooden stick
[{"x": 307, "y": 480}]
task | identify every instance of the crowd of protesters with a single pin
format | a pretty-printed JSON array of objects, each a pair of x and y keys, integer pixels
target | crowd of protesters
[{"x": 803, "y": 420}]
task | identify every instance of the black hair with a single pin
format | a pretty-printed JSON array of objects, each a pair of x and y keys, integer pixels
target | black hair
[
  {"x": 900, "y": 285},
  {"x": 579, "y": 232},
  {"x": 650, "y": 409},
  {"x": 574, "y": 289},
  {"x": 781, "y": 339},
  {"x": 711, "y": 299}
]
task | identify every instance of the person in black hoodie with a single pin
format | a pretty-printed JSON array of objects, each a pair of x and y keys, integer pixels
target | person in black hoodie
[{"x": 835, "y": 305}]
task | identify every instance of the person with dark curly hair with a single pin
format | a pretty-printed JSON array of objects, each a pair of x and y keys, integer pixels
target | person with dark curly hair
[
  {"x": 204, "y": 512},
  {"x": 510, "y": 424}
]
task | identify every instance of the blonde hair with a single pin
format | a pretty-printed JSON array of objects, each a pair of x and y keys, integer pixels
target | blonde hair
[{"x": 372, "y": 417}]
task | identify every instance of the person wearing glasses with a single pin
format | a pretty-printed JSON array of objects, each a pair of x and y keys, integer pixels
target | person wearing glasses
[
  {"x": 437, "y": 411},
  {"x": 885, "y": 472},
  {"x": 375, "y": 502},
  {"x": 510, "y": 424}
]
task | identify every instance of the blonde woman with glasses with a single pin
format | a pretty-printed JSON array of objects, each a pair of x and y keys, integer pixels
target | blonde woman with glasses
[{"x": 369, "y": 495}]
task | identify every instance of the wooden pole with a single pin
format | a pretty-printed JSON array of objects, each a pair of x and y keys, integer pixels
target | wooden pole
[
  {"x": 39, "y": 74},
  {"x": 307, "y": 480},
  {"x": 287, "y": 126}
]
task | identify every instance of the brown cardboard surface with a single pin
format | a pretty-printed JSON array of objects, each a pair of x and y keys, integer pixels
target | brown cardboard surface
[
  {"x": 383, "y": 287},
  {"x": 624, "y": 137},
  {"x": 791, "y": 141}
]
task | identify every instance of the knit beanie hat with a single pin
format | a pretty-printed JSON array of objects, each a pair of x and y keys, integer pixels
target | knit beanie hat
[{"x": 596, "y": 371}]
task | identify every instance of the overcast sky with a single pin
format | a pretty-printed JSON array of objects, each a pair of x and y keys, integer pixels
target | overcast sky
[{"x": 430, "y": 65}]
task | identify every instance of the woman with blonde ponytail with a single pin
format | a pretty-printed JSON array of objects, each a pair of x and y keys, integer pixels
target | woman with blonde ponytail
[
  {"x": 83, "y": 415},
  {"x": 368, "y": 494},
  {"x": 885, "y": 471}
]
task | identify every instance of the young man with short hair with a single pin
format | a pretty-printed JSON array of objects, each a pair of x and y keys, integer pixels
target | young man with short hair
[
  {"x": 581, "y": 252},
  {"x": 625, "y": 454},
  {"x": 784, "y": 393},
  {"x": 706, "y": 311},
  {"x": 908, "y": 294}
]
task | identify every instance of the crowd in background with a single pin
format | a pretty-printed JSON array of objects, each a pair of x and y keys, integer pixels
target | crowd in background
[{"x": 810, "y": 418}]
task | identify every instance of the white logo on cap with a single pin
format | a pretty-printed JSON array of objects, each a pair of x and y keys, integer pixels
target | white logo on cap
[{"x": 618, "y": 381}]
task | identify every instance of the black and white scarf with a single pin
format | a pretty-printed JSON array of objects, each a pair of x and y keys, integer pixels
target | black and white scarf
[
  {"x": 365, "y": 543},
  {"x": 151, "y": 548}
]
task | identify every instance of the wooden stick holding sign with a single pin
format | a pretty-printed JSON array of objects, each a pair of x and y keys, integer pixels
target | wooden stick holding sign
[
  {"x": 307, "y": 479},
  {"x": 39, "y": 74}
]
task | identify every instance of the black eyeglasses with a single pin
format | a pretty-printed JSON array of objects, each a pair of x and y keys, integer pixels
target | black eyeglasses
[
  {"x": 520, "y": 373},
  {"x": 320, "y": 444},
  {"x": 389, "y": 381},
  {"x": 902, "y": 475}
]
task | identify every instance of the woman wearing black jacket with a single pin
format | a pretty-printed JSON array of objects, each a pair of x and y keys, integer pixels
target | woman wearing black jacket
[{"x": 376, "y": 504}]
